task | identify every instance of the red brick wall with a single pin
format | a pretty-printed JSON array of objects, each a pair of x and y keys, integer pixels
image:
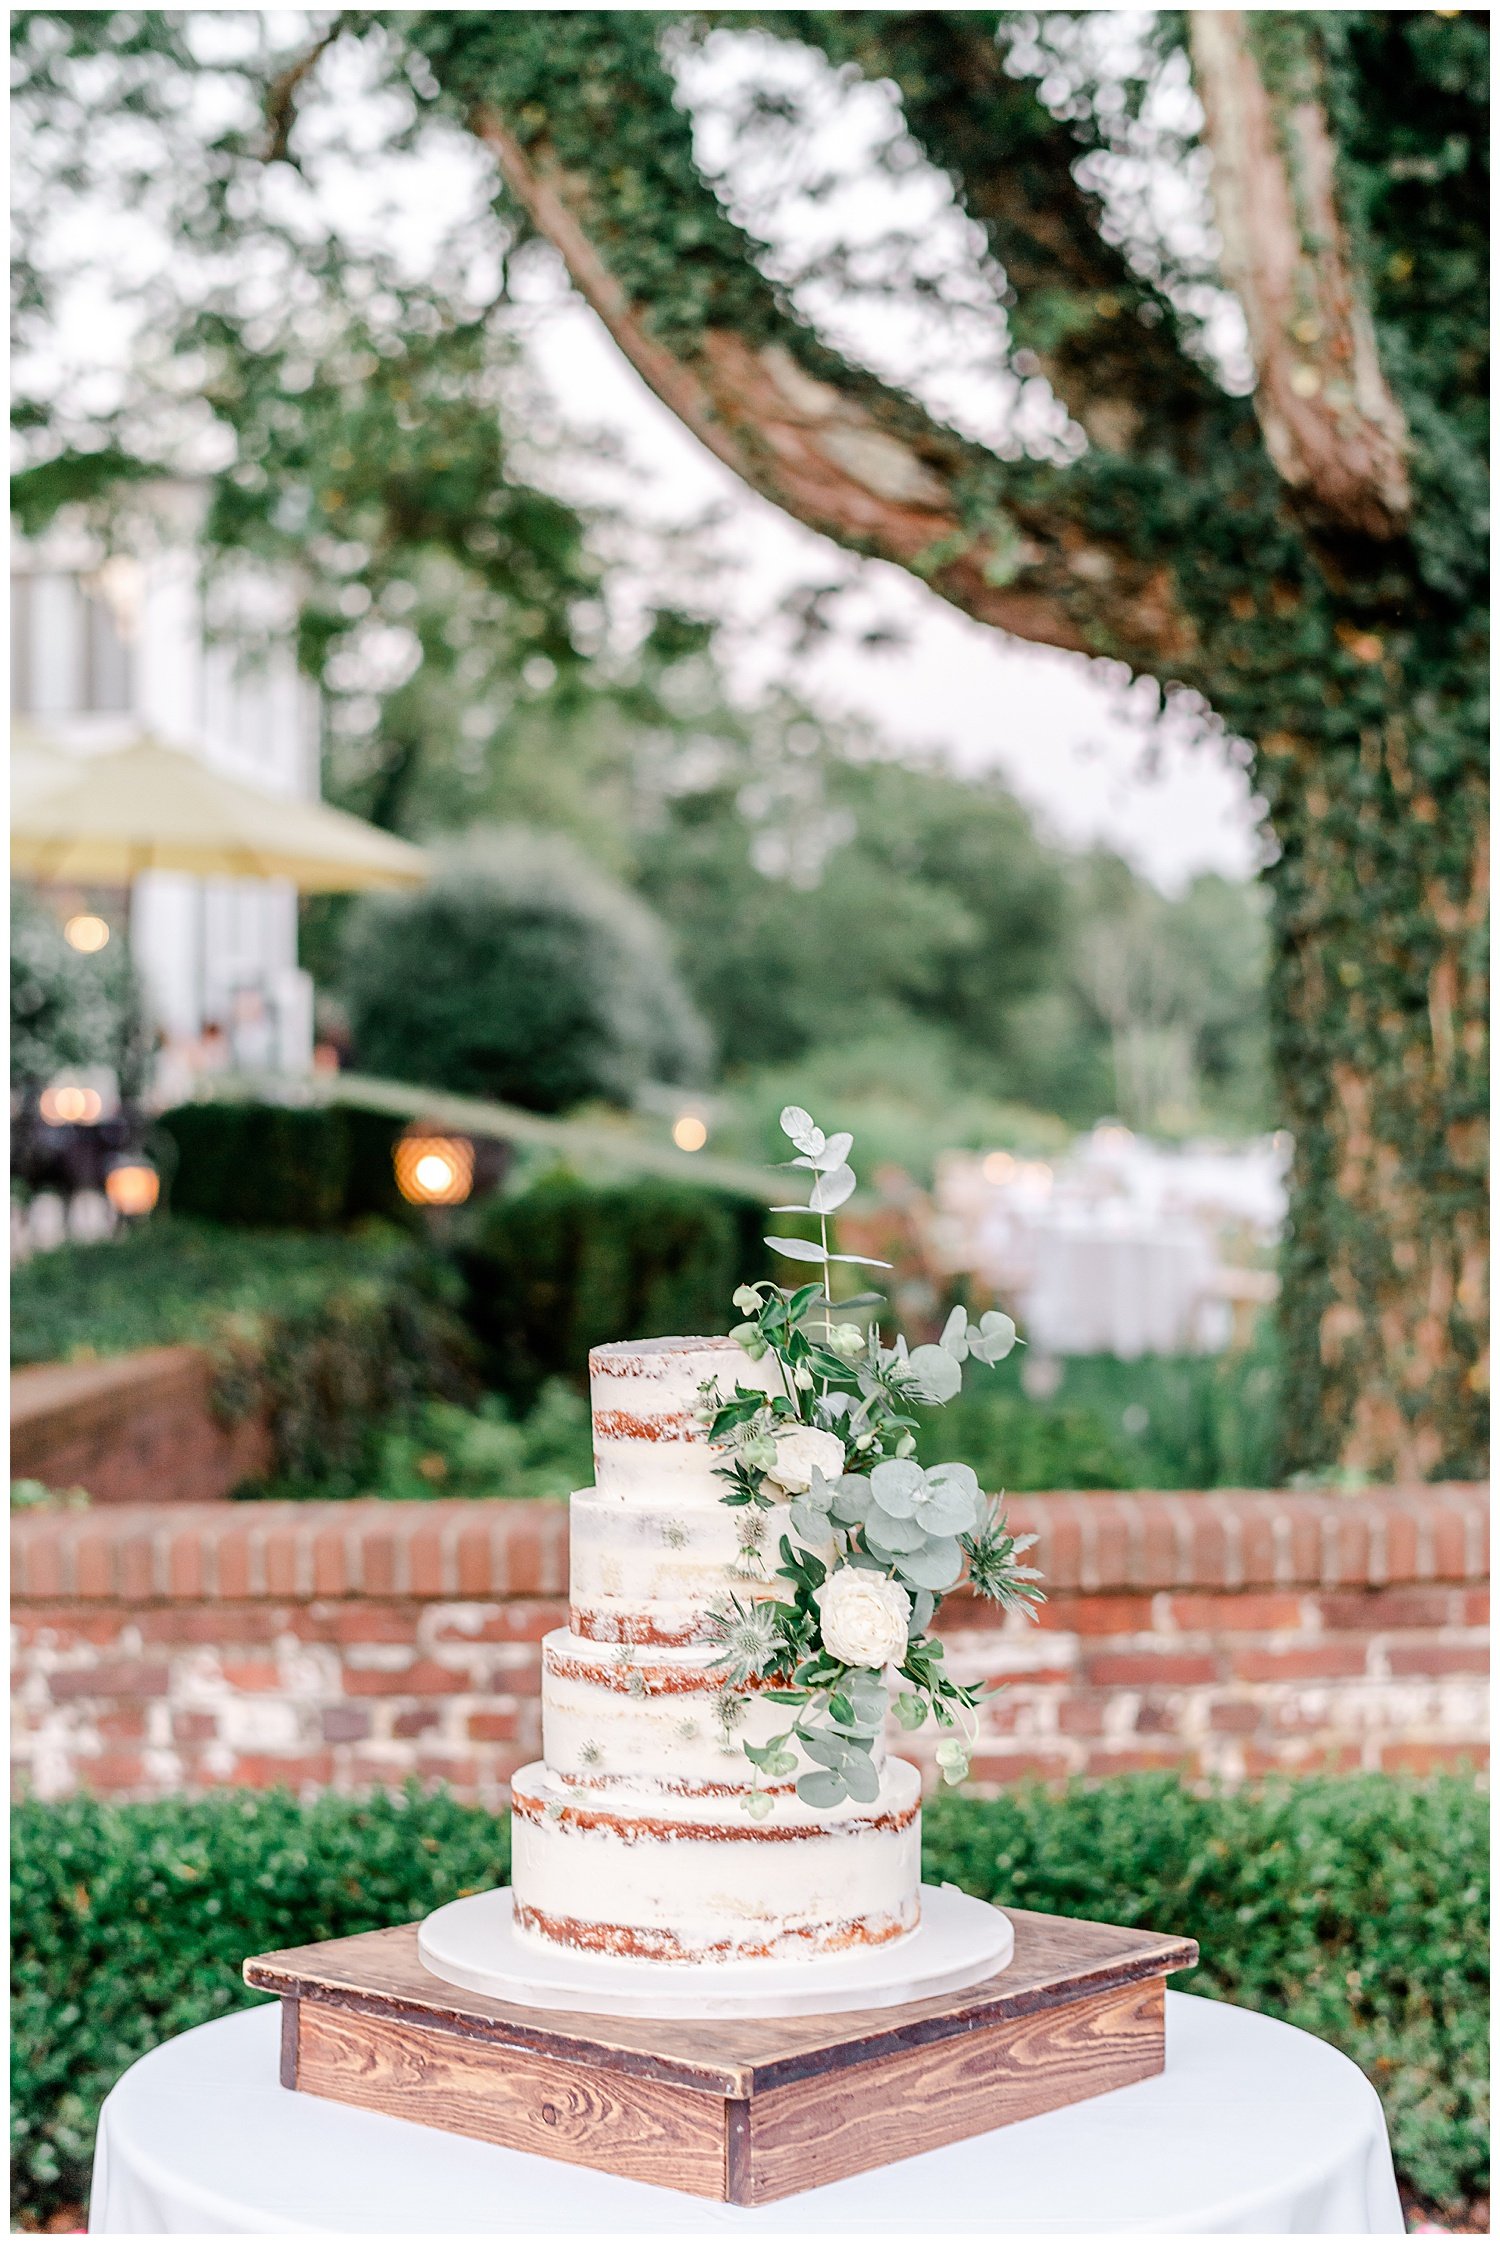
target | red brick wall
[
  {"x": 137, "y": 1429},
  {"x": 171, "y": 1648}
]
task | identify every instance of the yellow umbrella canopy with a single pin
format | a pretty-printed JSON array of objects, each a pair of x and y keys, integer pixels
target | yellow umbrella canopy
[{"x": 149, "y": 808}]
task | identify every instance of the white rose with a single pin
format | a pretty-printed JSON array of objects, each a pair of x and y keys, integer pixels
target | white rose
[
  {"x": 796, "y": 1455},
  {"x": 865, "y": 1617}
]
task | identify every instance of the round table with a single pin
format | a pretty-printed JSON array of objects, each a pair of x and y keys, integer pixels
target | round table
[{"x": 1254, "y": 2128}]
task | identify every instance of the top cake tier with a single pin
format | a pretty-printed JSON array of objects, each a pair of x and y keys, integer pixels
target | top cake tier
[{"x": 645, "y": 1394}]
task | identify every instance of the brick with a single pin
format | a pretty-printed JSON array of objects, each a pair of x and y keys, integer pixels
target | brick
[
  {"x": 448, "y": 1768},
  {"x": 381, "y": 1551},
  {"x": 1097, "y": 1616},
  {"x": 1151, "y": 1667},
  {"x": 38, "y": 1568},
  {"x": 523, "y": 1562},
  {"x": 284, "y": 1547},
  {"x": 192, "y": 1728},
  {"x": 186, "y": 1575},
  {"x": 427, "y": 1562},
  {"x": 1081, "y": 1714},
  {"x": 1135, "y": 1760},
  {"x": 1297, "y": 1663},
  {"x": 1438, "y": 1659},
  {"x": 93, "y": 1562},
  {"x": 415, "y": 1721},
  {"x": 110, "y": 1679},
  {"x": 495, "y": 1725},
  {"x": 526, "y": 1621},
  {"x": 1307, "y": 1757},
  {"x": 1450, "y": 1544},
  {"x": 1377, "y": 1609},
  {"x": 343, "y": 1724},
  {"x": 475, "y": 1578},
  {"x": 363, "y": 1621},
  {"x": 1236, "y": 1611},
  {"x": 1019, "y": 1768},
  {"x": 1474, "y": 1608},
  {"x": 110, "y": 1772},
  {"x": 262, "y": 1771},
  {"x": 1412, "y": 1757},
  {"x": 420, "y": 1678},
  {"x": 1233, "y": 1717},
  {"x": 251, "y": 1675}
]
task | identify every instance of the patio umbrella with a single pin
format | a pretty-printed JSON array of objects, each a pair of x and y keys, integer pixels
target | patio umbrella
[{"x": 148, "y": 808}]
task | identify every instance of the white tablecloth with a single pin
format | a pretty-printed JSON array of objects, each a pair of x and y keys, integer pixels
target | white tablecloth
[{"x": 1253, "y": 2128}]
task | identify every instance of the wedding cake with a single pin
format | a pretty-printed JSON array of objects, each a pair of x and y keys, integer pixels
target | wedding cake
[{"x": 644, "y": 1831}]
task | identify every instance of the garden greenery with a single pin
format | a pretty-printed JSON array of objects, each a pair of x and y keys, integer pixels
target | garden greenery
[
  {"x": 1353, "y": 1906},
  {"x": 875, "y": 1540}
]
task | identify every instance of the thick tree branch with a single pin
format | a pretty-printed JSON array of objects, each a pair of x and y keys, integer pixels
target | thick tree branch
[
  {"x": 1108, "y": 342},
  {"x": 861, "y": 463},
  {"x": 283, "y": 92},
  {"x": 1331, "y": 425}
]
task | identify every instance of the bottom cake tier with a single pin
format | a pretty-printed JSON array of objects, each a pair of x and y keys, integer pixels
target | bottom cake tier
[{"x": 612, "y": 1872}]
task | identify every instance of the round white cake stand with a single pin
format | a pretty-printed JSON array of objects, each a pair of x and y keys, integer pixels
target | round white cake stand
[{"x": 473, "y": 1943}]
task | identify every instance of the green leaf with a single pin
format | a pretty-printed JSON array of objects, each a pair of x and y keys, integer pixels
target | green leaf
[{"x": 862, "y": 1778}]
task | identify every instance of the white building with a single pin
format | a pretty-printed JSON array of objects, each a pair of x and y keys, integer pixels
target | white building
[{"x": 103, "y": 649}]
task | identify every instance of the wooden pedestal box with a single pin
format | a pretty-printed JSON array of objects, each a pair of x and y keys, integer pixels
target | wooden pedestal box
[{"x": 744, "y": 2110}]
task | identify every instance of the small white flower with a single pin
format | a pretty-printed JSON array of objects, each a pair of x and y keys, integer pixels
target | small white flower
[
  {"x": 846, "y": 1340},
  {"x": 798, "y": 1452},
  {"x": 865, "y": 1617}
]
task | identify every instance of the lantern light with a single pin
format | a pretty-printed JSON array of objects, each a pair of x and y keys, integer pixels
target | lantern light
[
  {"x": 690, "y": 1133},
  {"x": 999, "y": 1167},
  {"x": 131, "y": 1185},
  {"x": 86, "y": 931},
  {"x": 434, "y": 1172},
  {"x": 70, "y": 1102}
]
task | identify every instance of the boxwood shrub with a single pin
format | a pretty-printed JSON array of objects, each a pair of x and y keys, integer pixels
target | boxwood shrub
[{"x": 1355, "y": 1907}]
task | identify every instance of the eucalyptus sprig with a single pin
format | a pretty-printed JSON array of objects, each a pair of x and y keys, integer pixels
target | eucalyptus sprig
[{"x": 874, "y": 1538}]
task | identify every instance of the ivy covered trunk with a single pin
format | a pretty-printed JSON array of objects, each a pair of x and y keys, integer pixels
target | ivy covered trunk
[{"x": 1379, "y": 1012}]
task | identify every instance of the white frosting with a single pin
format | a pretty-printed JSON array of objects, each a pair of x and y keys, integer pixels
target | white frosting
[
  {"x": 695, "y": 1879},
  {"x": 645, "y": 1393},
  {"x": 647, "y": 1571},
  {"x": 654, "y": 1719},
  {"x": 633, "y": 1836}
]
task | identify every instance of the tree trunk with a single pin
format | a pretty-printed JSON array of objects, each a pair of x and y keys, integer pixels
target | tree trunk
[{"x": 1378, "y": 1005}]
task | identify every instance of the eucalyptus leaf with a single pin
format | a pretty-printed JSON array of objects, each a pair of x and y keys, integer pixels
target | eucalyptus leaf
[
  {"x": 798, "y": 1125},
  {"x": 895, "y": 1537},
  {"x": 862, "y": 1778},
  {"x": 836, "y": 1150},
  {"x": 800, "y": 1250},
  {"x": 865, "y": 1261},
  {"x": 824, "y": 1746},
  {"x": 935, "y": 1567},
  {"x": 831, "y": 1190},
  {"x": 933, "y": 1375},
  {"x": 947, "y": 1510},
  {"x": 955, "y": 1333},
  {"x": 851, "y": 1498},
  {"x": 896, "y": 1484},
  {"x": 924, "y": 1605},
  {"x": 822, "y": 1788},
  {"x": 910, "y": 1712},
  {"x": 993, "y": 1338}
]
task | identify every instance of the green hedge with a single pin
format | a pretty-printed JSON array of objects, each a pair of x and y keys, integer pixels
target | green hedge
[
  {"x": 300, "y": 1168},
  {"x": 1355, "y": 1907},
  {"x": 333, "y": 1338},
  {"x": 565, "y": 1266}
]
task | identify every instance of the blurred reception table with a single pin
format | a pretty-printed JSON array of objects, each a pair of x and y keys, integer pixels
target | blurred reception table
[{"x": 1253, "y": 2129}]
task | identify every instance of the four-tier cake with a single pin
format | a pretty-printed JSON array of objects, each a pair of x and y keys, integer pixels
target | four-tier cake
[{"x": 644, "y": 1831}]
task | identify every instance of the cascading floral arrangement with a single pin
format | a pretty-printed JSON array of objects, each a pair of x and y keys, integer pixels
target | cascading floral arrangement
[{"x": 876, "y": 1538}]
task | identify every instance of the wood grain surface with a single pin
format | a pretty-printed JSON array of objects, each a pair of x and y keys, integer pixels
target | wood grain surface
[
  {"x": 1057, "y": 1960},
  {"x": 586, "y": 2115},
  {"x": 745, "y": 2109},
  {"x": 821, "y": 2129}
]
